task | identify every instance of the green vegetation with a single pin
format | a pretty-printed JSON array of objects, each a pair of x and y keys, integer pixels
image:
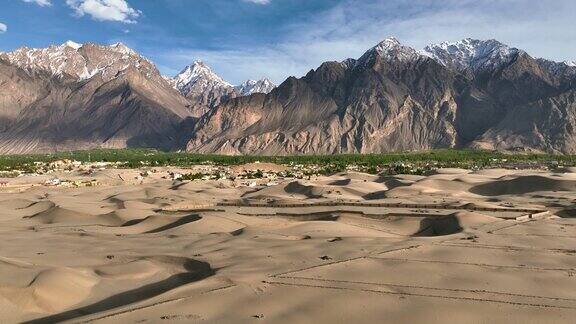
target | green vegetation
[
  {"x": 9, "y": 174},
  {"x": 406, "y": 162},
  {"x": 193, "y": 176}
]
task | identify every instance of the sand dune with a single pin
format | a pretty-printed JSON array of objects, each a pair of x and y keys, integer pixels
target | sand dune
[
  {"x": 331, "y": 229},
  {"x": 36, "y": 208},
  {"x": 523, "y": 185},
  {"x": 155, "y": 224},
  {"x": 134, "y": 270},
  {"x": 451, "y": 171},
  {"x": 452, "y": 224},
  {"x": 457, "y": 245},
  {"x": 53, "y": 290},
  {"x": 16, "y": 203},
  {"x": 59, "y": 215},
  {"x": 304, "y": 191}
]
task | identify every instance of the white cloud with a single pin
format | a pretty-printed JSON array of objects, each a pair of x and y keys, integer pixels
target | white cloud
[
  {"x": 3, "y": 28},
  {"x": 105, "y": 10},
  {"x": 42, "y": 3},
  {"x": 260, "y": 2},
  {"x": 542, "y": 28}
]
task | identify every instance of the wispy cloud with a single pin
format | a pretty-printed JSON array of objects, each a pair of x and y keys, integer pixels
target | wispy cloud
[
  {"x": 3, "y": 28},
  {"x": 42, "y": 3},
  {"x": 105, "y": 10},
  {"x": 260, "y": 2},
  {"x": 543, "y": 28}
]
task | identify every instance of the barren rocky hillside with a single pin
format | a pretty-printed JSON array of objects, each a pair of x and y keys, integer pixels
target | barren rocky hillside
[{"x": 479, "y": 94}]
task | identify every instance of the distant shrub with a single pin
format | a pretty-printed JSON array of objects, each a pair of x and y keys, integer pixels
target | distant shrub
[
  {"x": 400, "y": 162},
  {"x": 193, "y": 176}
]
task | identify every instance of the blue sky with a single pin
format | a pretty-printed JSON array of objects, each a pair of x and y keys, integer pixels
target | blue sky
[{"x": 244, "y": 39}]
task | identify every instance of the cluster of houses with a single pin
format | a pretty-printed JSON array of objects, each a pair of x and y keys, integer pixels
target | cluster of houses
[
  {"x": 56, "y": 182},
  {"x": 247, "y": 175}
]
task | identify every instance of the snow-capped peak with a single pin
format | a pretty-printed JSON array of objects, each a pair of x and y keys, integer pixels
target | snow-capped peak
[
  {"x": 123, "y": 49},
  {"x": 251, "y": 86},
  {"x": 387, "y": 44},
  {"x": 72, "y": 45},
  {"x": 198, "y": 73},
  {"x": 389, "y": 49},
  {"x": 198, "y": 77},
  {"x": 471, "y": 53},
  {"x": 570, "y": 63},
  {"x": 81, "y": 61}
]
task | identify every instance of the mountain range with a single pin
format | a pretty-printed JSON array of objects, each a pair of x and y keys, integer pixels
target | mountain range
[
  {"x": 75, "y": 97},
  {"x": 205, "y": 89},
  {"x": 465, "y": 94}
]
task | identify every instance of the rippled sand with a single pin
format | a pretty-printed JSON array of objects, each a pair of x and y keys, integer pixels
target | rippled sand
[{"x": 493, "y": 246}]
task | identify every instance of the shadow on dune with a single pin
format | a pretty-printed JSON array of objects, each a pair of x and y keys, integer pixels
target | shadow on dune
[
  {"x": 343, "y": 182},
  {"x": 439, "y": 226},
  {"x": 296, "y": 187},
  {"x": 318, "y": 217},
  {"x": 390, "y": 184},
  {"x": 375, "y": 195},
  {"x": 523, "y": 185},
  {"x": 197, "y": 270},
  {"x": 567, "y": 213},
  {"x": 181, "y": 221}
]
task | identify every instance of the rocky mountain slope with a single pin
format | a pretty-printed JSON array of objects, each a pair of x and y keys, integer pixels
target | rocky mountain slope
[
  {"x": 205, "y": 89},
  {"x": 472, "y": 93},
  {"x": 73, "y": 96}
]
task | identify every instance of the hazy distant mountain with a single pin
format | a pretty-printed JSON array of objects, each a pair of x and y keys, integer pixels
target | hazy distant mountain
[
  {"x": 471, "y": 93},
  {"x": 252, "y": 86}
]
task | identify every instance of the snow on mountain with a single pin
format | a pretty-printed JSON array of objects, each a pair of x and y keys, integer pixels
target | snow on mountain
[
  {"x": 467, "y": 54},
  {"x": 84, "y": 61},
  {"x": 199, "y": 77},
  {"x": 471, "y": 54},
  {"x": 72, "y": 44},
  {"x": 389, "y": 49},
  {"x": 558, "y": 69},
  {"x": 348, "y": 63},
  {"x": 81, "y": 61},
  {"x": 251, "y": 86}
]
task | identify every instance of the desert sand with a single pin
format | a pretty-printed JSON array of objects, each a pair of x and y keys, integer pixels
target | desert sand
[{"x": 490, "y": 246}]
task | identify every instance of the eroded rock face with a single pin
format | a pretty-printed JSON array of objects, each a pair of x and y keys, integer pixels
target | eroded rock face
[
  {"x": 480, "y": 94},
  {"x": 474, "y": 94},
  {"x": 73, "y": 97},
  {"x": 206, "y": 90},
  {"x": 391, "y": 99}
]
